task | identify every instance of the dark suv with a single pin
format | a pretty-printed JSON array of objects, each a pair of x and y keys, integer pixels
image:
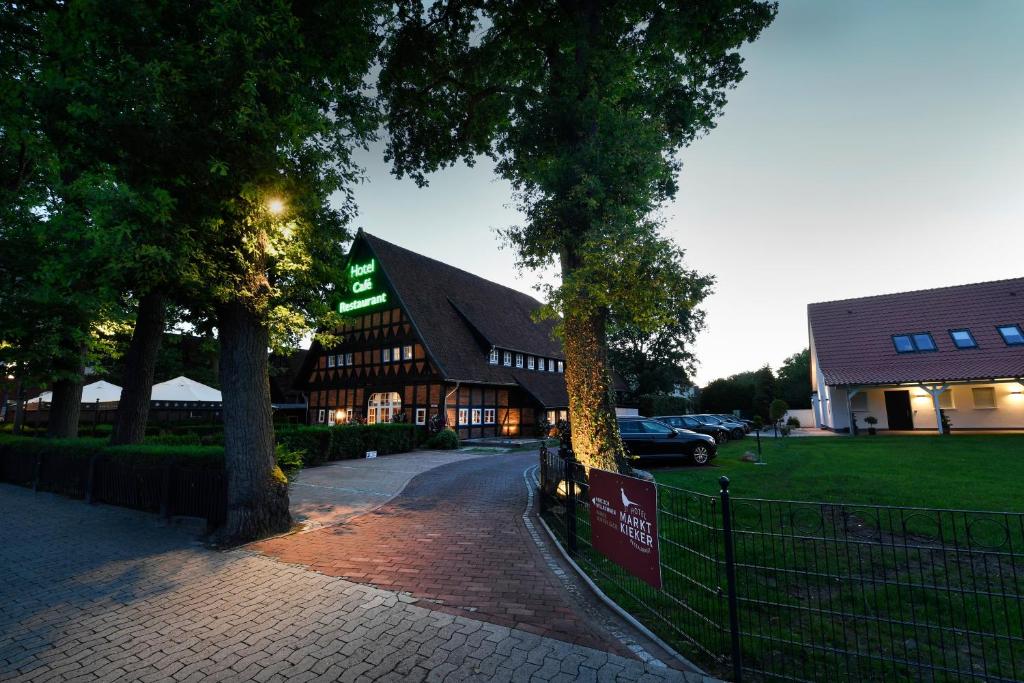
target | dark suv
[
  {"x": 719, "y": 433},
  {"x": 649, "y": 439},
  {"x": 736, "y": 429}
]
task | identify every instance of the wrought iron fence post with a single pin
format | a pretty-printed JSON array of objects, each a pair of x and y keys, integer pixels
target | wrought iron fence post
[
  {"x": 730, "y": 580},
  {"x": 570, "y": 503},
  {"x": 544, "y": 474}
]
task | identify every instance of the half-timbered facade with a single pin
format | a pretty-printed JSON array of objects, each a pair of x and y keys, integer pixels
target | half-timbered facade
[{"x": 425, "y": 339}]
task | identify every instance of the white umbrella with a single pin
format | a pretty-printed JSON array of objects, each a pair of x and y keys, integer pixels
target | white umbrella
[{"x": 184, "y": 389}]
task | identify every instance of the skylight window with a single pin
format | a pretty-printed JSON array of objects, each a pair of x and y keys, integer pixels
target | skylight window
[
  {"x": 909, "y": 343},
  {"x": 1011, "y": 334},
  {"x": 963, "y": 339}
]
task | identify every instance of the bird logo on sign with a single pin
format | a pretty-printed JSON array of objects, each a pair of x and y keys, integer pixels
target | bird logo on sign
[{"x": 626, "y": 502}]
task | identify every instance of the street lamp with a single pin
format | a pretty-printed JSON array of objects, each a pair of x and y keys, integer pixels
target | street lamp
[{"x": 275, "y": 206}]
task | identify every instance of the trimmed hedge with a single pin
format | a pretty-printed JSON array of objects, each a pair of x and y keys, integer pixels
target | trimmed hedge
[
  {"x": 347, "y": 442},
  {"x": 445, "y": 440}
]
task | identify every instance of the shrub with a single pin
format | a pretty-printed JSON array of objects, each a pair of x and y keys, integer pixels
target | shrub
[
  {"x": 444, "y": 440},
  {"x": 290, "y": 461},
  {"x": 792, "y": 422},
  {"x": 777, "y": 409},
  {"x": 353, "y": 441},
  {"x": 313, "y": 441}
]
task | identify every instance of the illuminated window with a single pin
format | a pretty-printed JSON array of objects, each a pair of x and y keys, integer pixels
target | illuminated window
[
  {"x": 963, "y": 339},
  {"x": 407, "y": 352},
  {"x": 946, "y": 400},
  {"x": 489, "y": 416},
  {"x": 330, "y": 417},
  {"x": 385, "y": 355},
  {"x": 348, "y": 359},
  {"x": 330, "y": 361},
  {"x": 383, "y": 407},
  {"x": 984, "y": 397},
  {"x": 396, "y": 354},
  {"x": 1011, "y": 334},
  {"x": 561, "y": 366},
  {"x": 519, "y": 360},
  {"x": 477, "y": 415},
  {"x": 508, "y": 359},
  {"x": 531, "y": 363},
  {"x": 494, "y": 356},
  {"x": 463, "y": 416},
  {"x": 421, "y": 416}
]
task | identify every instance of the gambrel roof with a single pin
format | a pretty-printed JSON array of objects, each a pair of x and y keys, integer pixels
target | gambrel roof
[{"x": 852, "y": 339}]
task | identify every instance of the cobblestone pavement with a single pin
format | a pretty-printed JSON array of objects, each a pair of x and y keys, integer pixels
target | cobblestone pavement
[
  {"x": 453, "y": 537},
  {"x": 99, "y": 593}
]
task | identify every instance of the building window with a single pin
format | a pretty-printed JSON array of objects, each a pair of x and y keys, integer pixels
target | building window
[
  {"x": 330, "y": 417},
  {"x": 330, "y": 361},
  {"x": 551, "y": 364},
  {"x": 859, "y": 402},
  {"x": 321, "y": 416},
  {"x": 508, "y": 359},
  {"x": 463, "y": 416},
  {"x": 421, "y": 416},
  {"x": 561, "y": 366},
  {"x": 385, "y": 355},
  {"x": 396, "y": 354},
  {"x": 946, "y": 400},
  {"x": 984, "y": 397},
  {"x": 552, "y": 417},
  {"x": 519, "y": 360},
  {"x": 494, "y": 356},
  {"x": 531, "y": 363},
  {"x": 909, "y": 343},
  {"x": 383, "y": 407},
  {"x": 477, "y": 413},
  {"x": 963, "y": 339},
  {"x": 407, "y": 352},
  {"x": 1011, "y": 334},
  {"x": 488, "y": 416},
  {"x": 348, "y": 359}
]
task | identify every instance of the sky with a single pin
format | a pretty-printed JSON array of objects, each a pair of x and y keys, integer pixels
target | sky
[{"x": 875, "y": 146}]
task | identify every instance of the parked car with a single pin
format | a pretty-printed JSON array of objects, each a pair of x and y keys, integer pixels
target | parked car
[
  {"x": 736, "y": 430},
  {"x": 748, "y": 425},
  {"x": 649, "y": 439},
  {"x": 718, "y": 432}
]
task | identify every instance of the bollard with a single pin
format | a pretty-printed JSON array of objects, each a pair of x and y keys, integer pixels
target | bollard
[{"x": 730, "y": 579}]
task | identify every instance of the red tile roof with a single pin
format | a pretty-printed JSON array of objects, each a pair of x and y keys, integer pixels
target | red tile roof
[{"x": 852, "y": 338}]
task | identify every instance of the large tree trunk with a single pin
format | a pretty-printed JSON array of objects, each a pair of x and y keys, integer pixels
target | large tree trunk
[
  {"x": 19, "y": 407},
  {"x": 257, "y": 490},
  {"x": 65, "y": 409},
  {"x": 139, "y": 365},
  {"x": 595, "y": 430}
]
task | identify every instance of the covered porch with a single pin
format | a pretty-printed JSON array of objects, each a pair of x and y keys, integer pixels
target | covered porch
[{"x": 994, "y": 404}]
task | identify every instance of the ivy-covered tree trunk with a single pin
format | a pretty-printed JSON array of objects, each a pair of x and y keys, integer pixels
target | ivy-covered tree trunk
[
  {"x": 257, "y": 489},
  {"x": 65, "y": 409},
  {"x": 595, "y": 430},
  {"x": 139, "y": 365}
]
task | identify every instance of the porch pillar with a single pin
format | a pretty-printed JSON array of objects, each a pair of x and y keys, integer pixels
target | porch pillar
[
  {"x": 850, "y": 393},
  {"x": 934, "y": 391}
]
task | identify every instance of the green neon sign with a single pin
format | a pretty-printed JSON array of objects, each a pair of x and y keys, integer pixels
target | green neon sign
[{"x": 361, "y": 282}]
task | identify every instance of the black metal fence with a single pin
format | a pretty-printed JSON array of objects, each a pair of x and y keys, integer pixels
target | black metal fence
[
  {"x": 167, "y": 488},
  {"x": 805, "y": 591}
]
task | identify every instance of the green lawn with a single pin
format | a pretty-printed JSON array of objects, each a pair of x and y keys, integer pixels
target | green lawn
[
  {"x": 851, "y": 592},
  {"x": 975, "y": 472}
]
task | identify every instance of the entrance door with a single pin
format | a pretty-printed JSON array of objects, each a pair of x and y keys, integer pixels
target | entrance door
[{"x": 897, "y": 409}]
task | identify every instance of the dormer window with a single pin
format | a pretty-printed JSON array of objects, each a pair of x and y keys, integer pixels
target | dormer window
[
  {"x": 519, "y": 360},
  {"x": 531, "y": 363},
  {"x": 508, "y": 359},
  {"x": 909, "y": 343},
  {"x": 561, "y": 366},
  {"x": 1011, "y": 334},
  {"x": 494, "y": 356},
  {"x": 963, "y": 339}
]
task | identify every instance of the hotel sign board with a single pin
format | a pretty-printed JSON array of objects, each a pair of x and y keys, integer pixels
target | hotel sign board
[
  {"x": 362, "y": 283},
  {"x": 624, "y": 523}
]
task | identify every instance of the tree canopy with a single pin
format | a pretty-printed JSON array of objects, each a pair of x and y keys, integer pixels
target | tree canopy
[{"x": 584, "y": 107}]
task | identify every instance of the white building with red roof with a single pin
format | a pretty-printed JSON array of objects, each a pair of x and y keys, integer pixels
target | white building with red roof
[{"x": 906, "y": 358}]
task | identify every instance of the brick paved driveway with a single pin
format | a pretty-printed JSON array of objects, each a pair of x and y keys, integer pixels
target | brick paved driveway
[
  {"x": 453, "y": 537},
  {"x": 100, "y": 593}
]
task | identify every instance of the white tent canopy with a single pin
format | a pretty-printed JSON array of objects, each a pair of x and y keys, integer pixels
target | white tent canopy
[
  {"x": 184, "y": 389},
  {"x": 101, "y": 391}
]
